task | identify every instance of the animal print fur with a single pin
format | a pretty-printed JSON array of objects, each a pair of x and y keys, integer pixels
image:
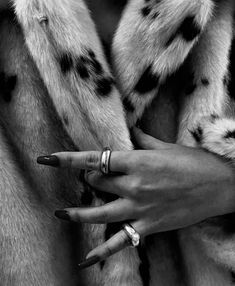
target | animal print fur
[{"x": 153, "y": 41}]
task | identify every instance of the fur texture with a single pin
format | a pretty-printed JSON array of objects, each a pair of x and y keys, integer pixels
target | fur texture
[{"x": 63, "y": 77}]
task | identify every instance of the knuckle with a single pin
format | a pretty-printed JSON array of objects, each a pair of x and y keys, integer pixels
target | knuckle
[
  {"x": 108, "y": 250},
  {"x": 135, "y": 188},
  {"x": 92, "y": 160},
  {"x": 70, "y": 161},
  {"x": 104, "y": 216}
]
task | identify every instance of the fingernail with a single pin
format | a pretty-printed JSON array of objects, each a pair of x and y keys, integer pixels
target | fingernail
[
  {"x": 88, "y": 262},
  {"x": 50, "y": 160},
  {"x": 62, "y": 214}
]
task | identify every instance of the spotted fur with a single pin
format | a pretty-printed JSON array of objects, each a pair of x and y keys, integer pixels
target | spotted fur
[{"x": 63, "y": 66}]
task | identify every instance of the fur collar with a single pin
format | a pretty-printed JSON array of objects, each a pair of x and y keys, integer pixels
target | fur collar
[{"x": 154, "y": 40}]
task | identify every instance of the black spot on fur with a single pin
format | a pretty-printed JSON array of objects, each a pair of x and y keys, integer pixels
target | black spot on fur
[
  {"x": 84, "y": 59},
  {"x": 91, "y": 54},
  {"x": 147, "y": 82},
  {"x": 214, "y": 117},
  {"x": 145, "y": 11},
  {"x": 230, "y": 134},
  {"x": 231, "y": 79},
  {"x": 197, "y": 134},
  {"x": 128, "y": 105},
  {"x": 96, "y": 66},
  {"x": 155, "y": 15},
  {"x": 144, "y": 266},
  {"x": 189, "y": 30},
  {"x": 104, "y": 86},
  {"x": 82, "y": 69},
  {"x": 233, "y": 276},
  {"x": 66, "y": 62},
  {"x": 205, "y": 81}
]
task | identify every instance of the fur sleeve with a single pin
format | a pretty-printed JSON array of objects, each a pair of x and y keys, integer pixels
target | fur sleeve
[{"x": 204, "y": 123}]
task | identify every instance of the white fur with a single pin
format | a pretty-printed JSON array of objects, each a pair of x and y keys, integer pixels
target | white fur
[
  {"x": 56, "y": 26},
  {"x": 140, "y": 42},
  {"x": 214, "y": 137},
  {"x": 70, "y": 29},
  {"x": 209, "y": 59},
  {"x": 93, "y": 122}
]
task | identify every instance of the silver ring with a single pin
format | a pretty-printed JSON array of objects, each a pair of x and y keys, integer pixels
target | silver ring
[
  {"x": 105, "y": 161},
  {"x": 132, "y": 234}
]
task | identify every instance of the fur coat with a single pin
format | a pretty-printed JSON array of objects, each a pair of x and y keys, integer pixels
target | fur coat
[{"x": 59, "y": 93}]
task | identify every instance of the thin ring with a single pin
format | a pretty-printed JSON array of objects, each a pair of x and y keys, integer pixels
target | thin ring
[
  {"x": 105, "y": 161},
  {"x": 132, "y": 234}
]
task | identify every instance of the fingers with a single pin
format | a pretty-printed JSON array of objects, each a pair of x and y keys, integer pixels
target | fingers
[
  {"x": 86, "y": 160},
  {"x": 145, "y": 141},
  {"x": 115, "y": 244},
  {"x": 119, "y": 210},
  {"x": 117, "y": 185}
]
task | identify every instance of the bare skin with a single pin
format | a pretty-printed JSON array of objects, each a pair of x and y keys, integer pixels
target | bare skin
[{"x": 161, "y": 187}]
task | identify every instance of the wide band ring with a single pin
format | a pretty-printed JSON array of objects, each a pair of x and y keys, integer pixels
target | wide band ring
[
  {"x": 105, "y": 161},
  {"x": 132, "y": 234}
]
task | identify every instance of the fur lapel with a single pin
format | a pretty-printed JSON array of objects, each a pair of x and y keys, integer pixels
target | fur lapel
[{"x": 153, "y": 40}]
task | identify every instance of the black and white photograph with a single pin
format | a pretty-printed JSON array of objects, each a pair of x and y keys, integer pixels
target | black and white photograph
[{"x": 117, "y": 142}]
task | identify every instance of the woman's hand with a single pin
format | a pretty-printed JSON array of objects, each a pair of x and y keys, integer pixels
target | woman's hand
[{"x": 161, "y": 188}]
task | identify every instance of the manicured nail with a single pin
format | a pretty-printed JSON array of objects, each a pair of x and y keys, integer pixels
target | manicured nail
[
  {"x": 50, "y": 160},
  {"x": 62, "y": 214},
  {"x": 88, "y": 262}
]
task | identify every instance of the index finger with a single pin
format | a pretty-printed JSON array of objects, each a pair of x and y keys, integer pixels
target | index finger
[{"x": 89, "y": 160}]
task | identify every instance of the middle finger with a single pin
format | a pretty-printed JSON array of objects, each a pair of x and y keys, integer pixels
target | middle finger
[
  {"x": 116, "y": 211},
  {"x": 117, "y": 185}
]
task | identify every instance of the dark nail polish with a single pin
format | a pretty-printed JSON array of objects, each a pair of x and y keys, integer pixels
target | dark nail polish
[
  {"x": 49, "y": 161},
  {"x": 88, "y": 262},
  {"x": 62, "y": 214}
]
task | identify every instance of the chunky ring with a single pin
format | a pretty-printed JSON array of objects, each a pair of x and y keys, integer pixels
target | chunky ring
[
  {"x": 132, "y": 234},
  {"x": 105, "y": 160}
]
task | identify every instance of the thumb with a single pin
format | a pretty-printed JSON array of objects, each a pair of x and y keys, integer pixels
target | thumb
[{"x": 145, "y": 141}]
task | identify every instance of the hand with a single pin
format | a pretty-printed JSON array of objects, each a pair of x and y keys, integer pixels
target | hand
[{"x": 161, "y": 188}]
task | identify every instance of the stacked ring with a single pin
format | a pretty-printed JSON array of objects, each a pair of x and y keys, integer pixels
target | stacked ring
[{"x": 105, "y": 161}]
